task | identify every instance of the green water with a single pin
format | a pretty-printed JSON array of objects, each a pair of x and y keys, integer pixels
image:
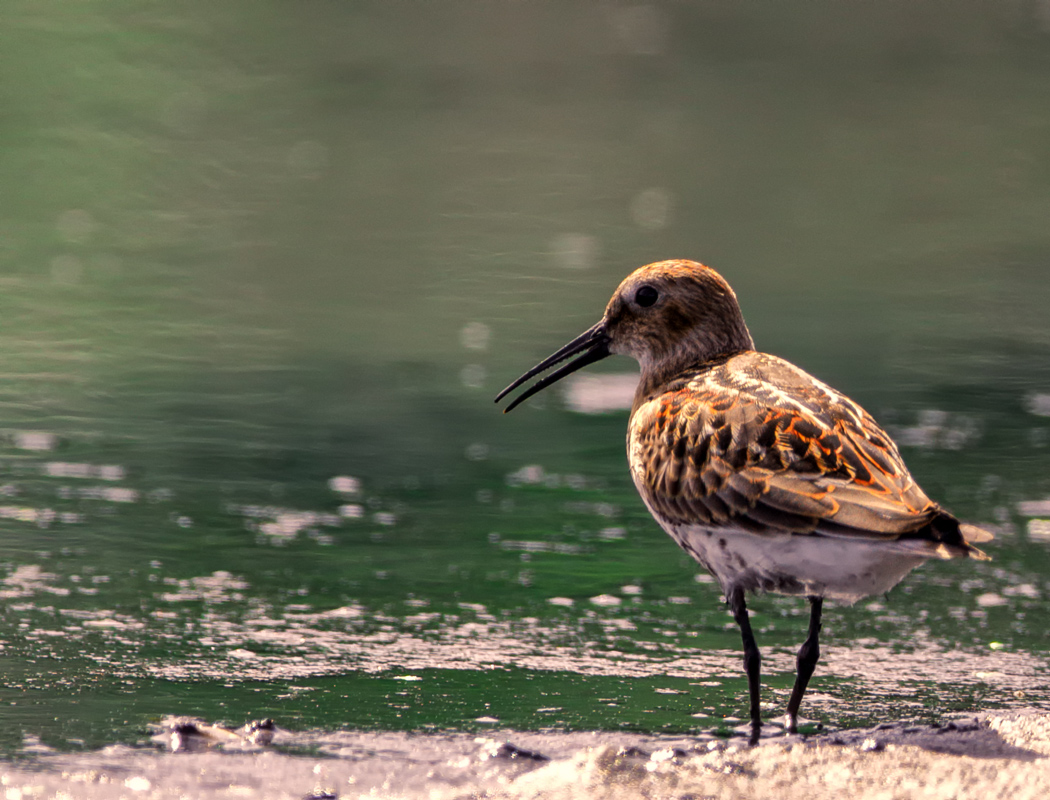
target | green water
[{"x": 248, "y": 248}]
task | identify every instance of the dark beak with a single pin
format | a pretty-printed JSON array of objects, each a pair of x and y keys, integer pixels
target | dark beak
[{"x": 592, "y": 343}]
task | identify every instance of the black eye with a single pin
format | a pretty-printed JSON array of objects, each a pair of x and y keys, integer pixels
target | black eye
[{"x": 646, "y": 296}]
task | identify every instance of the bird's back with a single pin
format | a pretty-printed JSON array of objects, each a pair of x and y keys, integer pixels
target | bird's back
[{"x": 753, "y": 444}]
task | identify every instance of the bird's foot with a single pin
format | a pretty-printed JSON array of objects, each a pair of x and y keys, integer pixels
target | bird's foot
[{"x": 756, "y": 732}]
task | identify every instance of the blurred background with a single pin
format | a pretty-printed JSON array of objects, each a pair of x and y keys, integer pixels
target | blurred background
[{"x": 264, "y": 265}]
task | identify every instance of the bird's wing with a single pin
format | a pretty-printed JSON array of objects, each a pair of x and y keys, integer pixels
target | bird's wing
[{"x": 801, "y": 460}]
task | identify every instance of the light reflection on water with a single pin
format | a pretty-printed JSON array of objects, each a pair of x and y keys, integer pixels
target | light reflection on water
[{"x": 647, "y": 620}]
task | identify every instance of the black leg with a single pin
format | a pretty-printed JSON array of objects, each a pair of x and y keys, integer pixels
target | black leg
[
  {"x": 752, "y": 658},
  {"x": 808, "y": 655}
]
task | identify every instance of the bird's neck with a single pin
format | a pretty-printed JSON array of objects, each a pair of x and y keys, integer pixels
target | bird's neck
[
  {"x": 683, "y": 362},
  {"x": 658, "y": 379}
]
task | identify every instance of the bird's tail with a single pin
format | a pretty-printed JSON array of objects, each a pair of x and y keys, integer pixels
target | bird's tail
[
  {"x": 945, "y": 537},
  {"x": 971, "y": 534}
]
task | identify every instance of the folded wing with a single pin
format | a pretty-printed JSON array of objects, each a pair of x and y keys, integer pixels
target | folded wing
[{"x": 812, "y": 463}]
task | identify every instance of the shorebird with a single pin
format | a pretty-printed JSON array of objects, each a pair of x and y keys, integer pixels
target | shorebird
[{"x": 770, "y": 479}]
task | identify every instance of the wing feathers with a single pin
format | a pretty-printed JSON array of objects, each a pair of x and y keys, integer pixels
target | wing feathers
[
  {"x": 793, "y": 495},
  {"x": 730, "y": 447}
]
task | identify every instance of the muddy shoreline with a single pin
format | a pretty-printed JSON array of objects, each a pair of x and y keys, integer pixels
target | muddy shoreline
[{"x": 988, "y": 755}]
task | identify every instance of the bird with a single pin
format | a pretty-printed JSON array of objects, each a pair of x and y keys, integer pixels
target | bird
[{"x": 770, "y": 479}]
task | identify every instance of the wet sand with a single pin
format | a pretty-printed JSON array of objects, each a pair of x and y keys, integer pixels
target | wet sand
[
  {"x": 994, "y": 755},
  {"x": 984, "y": 758}
]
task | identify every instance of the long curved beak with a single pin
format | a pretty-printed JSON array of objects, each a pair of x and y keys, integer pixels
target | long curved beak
[{"x": 592, "y": 343}]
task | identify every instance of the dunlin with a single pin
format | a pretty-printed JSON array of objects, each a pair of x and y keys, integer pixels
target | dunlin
[{"x": 770, "y": 479}]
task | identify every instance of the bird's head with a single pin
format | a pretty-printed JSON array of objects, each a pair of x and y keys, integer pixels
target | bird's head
[{"x": 669, "y": 316}]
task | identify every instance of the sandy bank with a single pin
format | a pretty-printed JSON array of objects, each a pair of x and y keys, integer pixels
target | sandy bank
[{"x": 991, "y": 756}]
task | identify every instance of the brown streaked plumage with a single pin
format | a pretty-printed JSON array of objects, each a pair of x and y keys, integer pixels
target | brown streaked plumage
[{"x": 770, "y": 479}]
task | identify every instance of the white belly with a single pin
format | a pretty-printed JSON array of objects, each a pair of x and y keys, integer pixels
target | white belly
[{"x": 837, "y": 568}]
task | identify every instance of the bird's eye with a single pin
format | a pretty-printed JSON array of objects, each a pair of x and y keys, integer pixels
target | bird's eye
[{"x": 646, "y": 296}]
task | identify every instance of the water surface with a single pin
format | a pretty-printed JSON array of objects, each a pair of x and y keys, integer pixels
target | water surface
[{"x": 262, "y": 272}]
